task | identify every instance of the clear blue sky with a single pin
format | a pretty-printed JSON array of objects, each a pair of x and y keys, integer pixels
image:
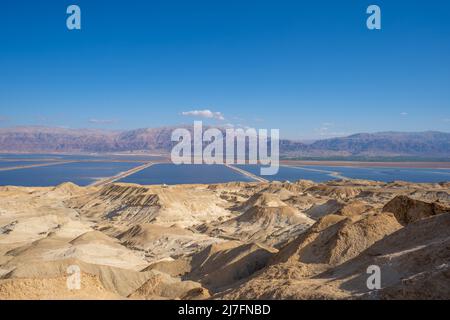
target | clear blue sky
[{"x": 310, "y": 68}]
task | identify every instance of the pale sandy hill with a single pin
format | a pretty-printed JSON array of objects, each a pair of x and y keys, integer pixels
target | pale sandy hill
[
  {"x": 266, "y": 216},
  {"x": 219, "y": 265},
  {"x": 262, "y": 199},
  {"x": 232, "y": 197},
  {"x": 34, "y": 251},
  {"x": 281, "y": 191},
  {"x": 119, "y": 281},
  {"x": 398, "y": 184},
  {"x": 197, "y": 294},
  {"x": 411, "y": 259},
  {"x": 339, "y": 192},
  {"x": 31, "y": 228},
  {"x": 25, "y": 230},
  {"x": 284, "y": 190},
  {"x": 330, "y": 207},
  {"x": 54, "y": 288},
  {"x": 272, "y": 223},
  {"x": 163, "y": 286},
  {"x": 68, "y": 189},
  {"x": 354, "y": 208},
  {"x": 141, "y": 234},
  {"x": 12, "y": 189},
  {"x": 160, "y": 242},
  {"x": 236, "y": 186},
  {"x": 356, "y": 183},
  {"x": 94, "y": 237},
  {"x": 91, "y": 249},
  {"x": 442, "y": 196},
  {"x": 408, "y": 210},
  {"x": 303, "y": 184},
  {"x": 174, "y": 267},
  {"x": 424, "y": 285},
  {"x": 335, "y": 239},
  {"x": 131, "y": 204},
  {"x": 303, "y": 201}
]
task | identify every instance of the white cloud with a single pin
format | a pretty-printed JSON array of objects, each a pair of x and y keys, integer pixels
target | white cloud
[
  {"x": 326, "y": 131},
  {"x": 101, "y": 121},
  {"x": 204, "y": 114},
  {"x": 403, "y": 113}
]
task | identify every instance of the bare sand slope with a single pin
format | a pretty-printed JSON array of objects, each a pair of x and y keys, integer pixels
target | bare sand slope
[{"x": 298, "y": 240}]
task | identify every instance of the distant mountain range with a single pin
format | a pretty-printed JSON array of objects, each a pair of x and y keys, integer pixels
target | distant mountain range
[
  {"x": 423, "y": 145},
  {"x": 420, "y": 145}
]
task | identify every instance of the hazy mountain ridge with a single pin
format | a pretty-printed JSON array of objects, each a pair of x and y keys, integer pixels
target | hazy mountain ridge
[
  {"x": 422, "y": 144},
  {"x": 43, "y": 139}
]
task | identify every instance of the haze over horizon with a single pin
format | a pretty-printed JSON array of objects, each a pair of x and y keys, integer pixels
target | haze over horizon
[
  {"x": 224, "y": 127},
  {"x": 312, "y": 71}
]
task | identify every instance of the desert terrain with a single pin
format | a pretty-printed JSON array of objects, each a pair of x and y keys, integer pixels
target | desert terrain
[{"x": 300, "y": 240}]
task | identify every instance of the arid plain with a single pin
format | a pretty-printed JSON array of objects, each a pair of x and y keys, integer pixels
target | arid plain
[{"x": 300, "y": 240}]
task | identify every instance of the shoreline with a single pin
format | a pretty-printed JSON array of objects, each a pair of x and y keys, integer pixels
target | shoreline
[
  {"x": 368, "y": 164},
  {"x": 164, "y": 159}
]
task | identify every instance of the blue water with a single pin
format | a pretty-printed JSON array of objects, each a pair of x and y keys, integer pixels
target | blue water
[
  {"x": 27, "y": 156},
  {"x": 289, "y": 174},
  {"x": 11, "y": 164},
  {"x": 390, "y": 174},
  {"x": 80, "y": 173},
  {"x": 325, "y": 173},
  {"x": 65, "y": 157},
  {"x": 84, "y": 173},
  {"x": 168, "y": 173}
]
